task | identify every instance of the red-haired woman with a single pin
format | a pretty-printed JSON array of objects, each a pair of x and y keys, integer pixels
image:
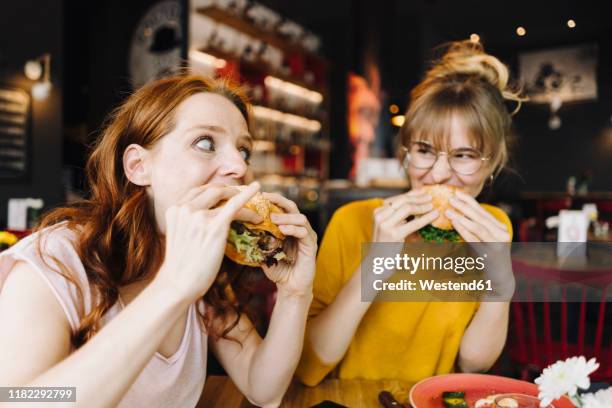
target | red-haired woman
[{"x": 118, "y": 295}]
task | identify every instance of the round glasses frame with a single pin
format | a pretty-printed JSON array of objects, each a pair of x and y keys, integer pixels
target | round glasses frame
[{"x": 406, "y": 160}]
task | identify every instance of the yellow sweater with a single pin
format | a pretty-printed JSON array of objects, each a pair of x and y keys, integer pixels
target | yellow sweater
[{"x": 407, "y": 341}]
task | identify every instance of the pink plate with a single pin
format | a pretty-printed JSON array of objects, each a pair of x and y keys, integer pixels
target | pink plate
[{"x": 428, "y": 393}]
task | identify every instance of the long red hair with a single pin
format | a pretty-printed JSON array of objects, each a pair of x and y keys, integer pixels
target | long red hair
[{"x": 118, "y": 241}]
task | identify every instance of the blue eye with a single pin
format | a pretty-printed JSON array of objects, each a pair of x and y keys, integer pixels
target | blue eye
[
  {"x": 246, "y": 154},
  {"x": 206, "y": 143}
]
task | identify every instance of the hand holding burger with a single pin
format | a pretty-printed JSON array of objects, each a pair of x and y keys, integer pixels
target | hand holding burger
[
  {"x": 473, "y": 222},
  {"x": 401, "y": 216},
  {"x": 441, "y": 229},
  {"x": 257, "y": 244},
  {"x": 284, "y": 244}
]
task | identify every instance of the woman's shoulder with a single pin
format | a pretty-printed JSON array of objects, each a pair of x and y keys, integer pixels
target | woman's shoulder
[
  {"x": 56, "y": 241},
  {"x": 351, "y": 223},
  {"x": 358, "y": 210},
  {"x": 499, "y": 215},
  {"x": 52, "y": 236},
  {"x": 51, "y": 252}
]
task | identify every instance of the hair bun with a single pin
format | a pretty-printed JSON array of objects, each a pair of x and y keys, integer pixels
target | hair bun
[{"x": 469, "y": 58}]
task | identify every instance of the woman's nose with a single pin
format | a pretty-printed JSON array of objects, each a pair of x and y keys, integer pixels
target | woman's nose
[
  {"x": 441, "y": 170},
  {"x": 233, "y": 164}
]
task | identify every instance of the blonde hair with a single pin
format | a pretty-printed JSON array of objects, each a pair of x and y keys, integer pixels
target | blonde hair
[{"x": 470, "y": 84}]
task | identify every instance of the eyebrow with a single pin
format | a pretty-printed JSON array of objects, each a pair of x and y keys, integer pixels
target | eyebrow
[
  {"x": 456, "y": 148},
  {"x": 220, "y": 129}
]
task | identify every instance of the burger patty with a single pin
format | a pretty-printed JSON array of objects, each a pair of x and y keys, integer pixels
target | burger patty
[
  {"x": 268, "y": 242},
  {"x": 268, "y": 246}
]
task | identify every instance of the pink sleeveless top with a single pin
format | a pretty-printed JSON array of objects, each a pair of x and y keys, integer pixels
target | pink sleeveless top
[{"x": 176, "y": 381}]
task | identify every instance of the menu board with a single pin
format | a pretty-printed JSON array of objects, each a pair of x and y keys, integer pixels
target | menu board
[{"x": 14, "y": 129}]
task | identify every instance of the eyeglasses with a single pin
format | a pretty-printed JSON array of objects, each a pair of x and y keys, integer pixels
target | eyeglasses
[{"x": 421, "y": 155}]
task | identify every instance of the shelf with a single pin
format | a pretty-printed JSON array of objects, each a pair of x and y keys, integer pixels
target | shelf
[
  {"x": 263, "y": 68},
  {"x": 288, "y": 175},
  {"x": 240, "y": 24},
  {"x": 321, "y": 145}
]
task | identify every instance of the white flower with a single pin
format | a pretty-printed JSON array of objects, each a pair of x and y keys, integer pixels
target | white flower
[
  {"x": 600, "y": 399},
  {"x": 564, "y": 377}
]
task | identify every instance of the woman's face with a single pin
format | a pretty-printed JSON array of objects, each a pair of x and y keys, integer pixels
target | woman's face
[
  {"x": 210, "y": 144},
  {"x": 442, "y": 173}
]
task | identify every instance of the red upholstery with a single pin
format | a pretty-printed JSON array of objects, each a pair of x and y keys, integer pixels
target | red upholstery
[{"x": 541, "y": 333}]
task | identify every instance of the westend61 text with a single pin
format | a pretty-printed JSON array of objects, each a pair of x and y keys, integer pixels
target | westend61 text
[{"x": 432, "y": 285}]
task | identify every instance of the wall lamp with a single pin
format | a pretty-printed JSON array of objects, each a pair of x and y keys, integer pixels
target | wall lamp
[{"x": 39, "y": 70}]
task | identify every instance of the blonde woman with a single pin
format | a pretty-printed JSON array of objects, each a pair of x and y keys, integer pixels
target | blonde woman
[{"x": 456, "y": 134}]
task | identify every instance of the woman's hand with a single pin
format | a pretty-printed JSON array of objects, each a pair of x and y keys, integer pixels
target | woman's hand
[
  {"x": 489, "y": 238},
  {"x": 474, "y": 223},
  {"x": 391, "y": 220},
  {"x": 295, "y": 278},
  {"x": 196, "y": 234}
]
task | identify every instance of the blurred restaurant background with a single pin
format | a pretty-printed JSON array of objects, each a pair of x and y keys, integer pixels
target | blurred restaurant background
[{"x": 329, "y": 82}]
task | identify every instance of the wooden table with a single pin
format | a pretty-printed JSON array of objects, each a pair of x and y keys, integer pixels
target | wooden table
[
  {"x": 544, "y": 255},
  {"x": 220, "y": 392}
]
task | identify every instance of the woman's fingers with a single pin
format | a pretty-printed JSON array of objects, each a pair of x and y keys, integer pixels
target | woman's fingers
[
  {"x": 294, "y": 231},
  {"x": 464, "y": 232},
  {"x": 408, "y": 209},
  {"x": 210, "y": 196},
  {"x": 474, "y": 231},
  {"x": 289, "y": 218},
  {"x": 284, "y": 203},
  {"x": 419, "y": 196},
  {"x": 418, "y": 223},
  {"x": 475, "y": 216},
  {"x": 247, "y": 215},
  {"x": 297, "y": 220},
  {"x": 382, "y": 213},
  {"x": 468, "y": 202},
  {"x": 235, "y": 203},
  {"x": 404, "y": 205}
]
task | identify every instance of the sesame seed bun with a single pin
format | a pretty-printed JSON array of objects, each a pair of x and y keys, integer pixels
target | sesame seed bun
[{"x": 441, "y": 194}]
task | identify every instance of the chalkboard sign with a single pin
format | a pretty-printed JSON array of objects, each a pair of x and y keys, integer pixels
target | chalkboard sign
[{"x": 14, "y": 129}]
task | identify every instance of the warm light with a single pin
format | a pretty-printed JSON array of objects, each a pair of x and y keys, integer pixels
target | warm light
[
  {"x": 521, "y": 31},
  {"x": 554, "y": 122},
  {"x": 287, "y": 119},
  {"x": 398, "y": 120},
  {"x": 474, "y": 38},
  {"x": 263, "y": 145},
  {"x": 41, "y": 90},
  {"x": 312, "y": 195},
  {"x": 571, "y": 23},
  {"x": 206, "y": 59},
  {"x": 393, "y": 109},
  {"x": 33, "y": 70},
  {"x": 294, "y": 150},
  {"x": 293, "y": 89}
]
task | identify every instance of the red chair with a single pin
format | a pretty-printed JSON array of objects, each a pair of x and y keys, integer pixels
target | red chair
[
  {"x": 604, "y": 208},
  {"x": 527, "y": 230},
  {"x": 543, "y": 332}
]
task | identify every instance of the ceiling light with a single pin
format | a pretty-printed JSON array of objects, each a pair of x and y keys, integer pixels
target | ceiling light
[{"x": 398, "y": 120}]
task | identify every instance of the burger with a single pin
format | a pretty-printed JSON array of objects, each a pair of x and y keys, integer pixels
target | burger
[
  {"x": 257, "y": 244},
  {"x": 441, "y": 229}
]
